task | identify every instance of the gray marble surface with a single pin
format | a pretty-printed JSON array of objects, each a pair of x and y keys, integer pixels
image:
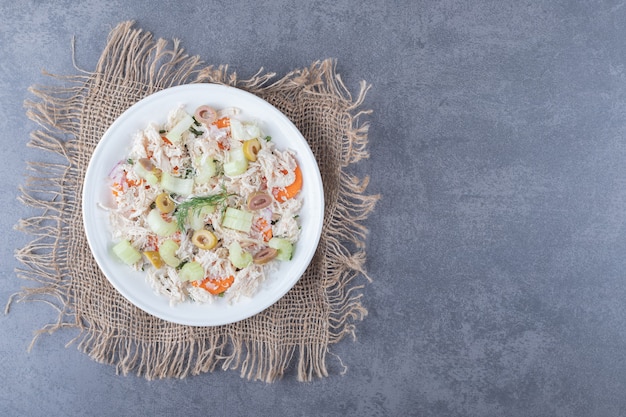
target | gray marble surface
[{"x": 497, "y": 253}]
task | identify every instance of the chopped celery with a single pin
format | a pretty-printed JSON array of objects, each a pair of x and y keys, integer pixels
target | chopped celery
[
  {"x": 237, "y": 130},
  {"x": 190, "y": 206},
  {"x": 126, "y": 252},
  {"x": 150, "y": 176},
  {"x": 238, "y": 257},
  {"x": 176, "y": 185},
  {"x": 283, "y": 246},
  {"x": 237, "y": 219},
  {"x": 191, "y": 271},
  {"x": 174, "y": 135},
  {"x": 205, "y": 169},
  {"x": 234, "y": 168},
  {"x": 236, "y": 163},
  {"x": 243, "y": 131},
  {"x": 253, "y": 130},
  {"x": 197, "y": 217},
  {"x": 159, "y": 225},
  {"x": 167, "y": 251}
]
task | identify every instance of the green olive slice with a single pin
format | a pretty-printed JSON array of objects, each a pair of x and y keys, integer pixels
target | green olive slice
[
  {"x": 164, "y": 203},
  {"x": 204, "y": 239}
]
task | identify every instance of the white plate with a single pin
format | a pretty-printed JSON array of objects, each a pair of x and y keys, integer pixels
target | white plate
[{"x": 115, "y": 145}]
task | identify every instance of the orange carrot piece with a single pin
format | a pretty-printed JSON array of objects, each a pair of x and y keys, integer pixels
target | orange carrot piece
[
  {"x": 133, "y": 183},
  {"x": 264, "y": 228},
  {"x": 116, "y": 189},
  {"x": 214, "y": 286},
  {"x": 290, "y": 191},
  {"x": 222, "y": 123}
]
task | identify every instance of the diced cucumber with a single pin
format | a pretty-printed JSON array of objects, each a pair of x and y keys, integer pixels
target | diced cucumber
[
  {"x": 238, "y": 257},
  {"x": 237, "y": 219},
  {"x": 167, "y": 251},
  {"x": 174, "y": 135},
  {"x": 283, "y": 246},
  {"x": 177, "y": 185},
  {"x": 159, "y": 225},
  {"x": 191, "y": 271},
  {"x": 126, "y": 252}
]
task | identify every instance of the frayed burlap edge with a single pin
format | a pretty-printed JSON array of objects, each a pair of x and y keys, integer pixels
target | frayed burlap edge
[{"x": 51, "y": 190}]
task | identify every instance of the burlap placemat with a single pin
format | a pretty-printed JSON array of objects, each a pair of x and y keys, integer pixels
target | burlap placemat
[{"x": 295, "y": 333}]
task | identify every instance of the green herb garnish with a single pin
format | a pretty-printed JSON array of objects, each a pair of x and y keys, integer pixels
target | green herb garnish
[
  {"x": 130, "y": 161},
  {"x": 268, "y": 138},
  {"x": 194, "y": 131},
  {"x": 195, "y": 204},
  {"x": 189, "y": 172}
]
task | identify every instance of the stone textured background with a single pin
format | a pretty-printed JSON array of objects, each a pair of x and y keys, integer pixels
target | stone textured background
[{"x": 497, "y": 251}]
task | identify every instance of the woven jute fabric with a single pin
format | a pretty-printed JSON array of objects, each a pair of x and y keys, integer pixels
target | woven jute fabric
[{"x": 292, "y": 336}]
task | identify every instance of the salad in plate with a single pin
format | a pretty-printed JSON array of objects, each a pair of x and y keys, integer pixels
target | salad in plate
[{"x": 205, "y": 204}]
